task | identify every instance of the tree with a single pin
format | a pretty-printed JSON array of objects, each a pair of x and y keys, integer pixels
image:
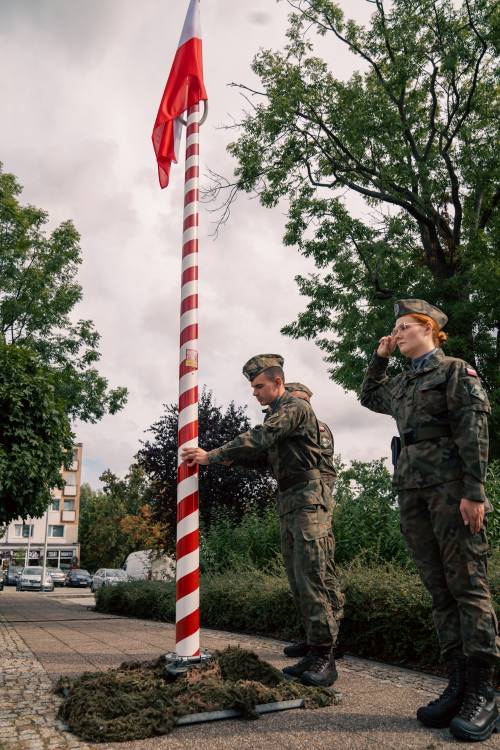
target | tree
[
  {"x": 38, "y": 292},
  {"x": 221, "y": 487},
  {"x": 106, "y": 530},
  {"x": 414, "y": 135},
  {"x": 35, "y": 434},
  {"x": 48, "y": 375}
]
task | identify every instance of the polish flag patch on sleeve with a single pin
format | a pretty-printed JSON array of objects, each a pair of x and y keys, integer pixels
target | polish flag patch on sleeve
[{"x": 471, "y": 371}]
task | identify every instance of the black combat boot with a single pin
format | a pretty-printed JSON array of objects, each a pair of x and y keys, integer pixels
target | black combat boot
[
  {"x": 438, "y": 713},
  {"x": 296, "y": 670},
  {"x": 296, "y": 650},
  {"x": 322, "y": 672},
  {"x": 478, "y": 717}
]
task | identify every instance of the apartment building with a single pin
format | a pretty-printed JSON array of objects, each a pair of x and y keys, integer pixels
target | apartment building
[{"x": 24, "y": 542}]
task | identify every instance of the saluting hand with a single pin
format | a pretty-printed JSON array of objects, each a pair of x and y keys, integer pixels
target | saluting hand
[
  {"x": 386, "y": 346},
  {"x": 194, "y": 456},
  {"x": 472, "y": 514}
]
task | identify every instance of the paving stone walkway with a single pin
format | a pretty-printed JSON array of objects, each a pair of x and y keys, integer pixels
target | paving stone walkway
[{"x": 45, "y": 635}]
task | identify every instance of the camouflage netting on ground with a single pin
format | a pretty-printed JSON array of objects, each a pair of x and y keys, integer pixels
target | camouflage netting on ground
[{"x": 139, "y": 700}]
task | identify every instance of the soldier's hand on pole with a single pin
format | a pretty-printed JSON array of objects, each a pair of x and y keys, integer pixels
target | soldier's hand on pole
[
  {"x": 194, "y": 456},
  {"x": 472, "y": 514},
  {"x": 386, "y": 346}
]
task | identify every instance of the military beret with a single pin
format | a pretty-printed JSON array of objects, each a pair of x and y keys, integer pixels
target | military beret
[
  {"x": 261, "y": 362},
  {"x": 298, "y": 387},
  {"x": 420, "y": 306}
]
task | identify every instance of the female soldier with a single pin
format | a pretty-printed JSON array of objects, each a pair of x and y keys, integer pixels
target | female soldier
[{"x": 441, "y": 412}]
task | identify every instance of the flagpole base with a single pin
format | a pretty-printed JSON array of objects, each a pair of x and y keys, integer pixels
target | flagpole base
[{"x": 176, "y": 666}]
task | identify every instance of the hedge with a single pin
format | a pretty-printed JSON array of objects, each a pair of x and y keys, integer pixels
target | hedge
[{"x": 387, "y": 612}]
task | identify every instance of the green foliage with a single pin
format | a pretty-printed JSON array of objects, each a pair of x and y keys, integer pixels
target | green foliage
[
  {"x": 104, "y": 543},
  {"x": 38, "y": 292},
  {"x": 387, "y": 612},
  {"x": 253, "y": 542},
  {"x": 413, "y": 136},
  {"x": 223, "y": 490},
  {"x": 366, "y": 516},
  {"x": 492, "y": 488},
  {"x": 35, "y": 434}
]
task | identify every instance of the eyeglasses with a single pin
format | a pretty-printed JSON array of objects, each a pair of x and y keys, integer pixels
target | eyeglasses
[{"x": 403, "y": 327}]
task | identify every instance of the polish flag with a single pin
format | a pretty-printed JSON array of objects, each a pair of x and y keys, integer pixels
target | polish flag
[{"x": 184, "y": 88}]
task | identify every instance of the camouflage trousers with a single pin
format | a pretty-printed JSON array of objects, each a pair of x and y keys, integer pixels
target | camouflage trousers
[
  {"x": 452, "y": 565},
  {"x": 308, "y": 546}
]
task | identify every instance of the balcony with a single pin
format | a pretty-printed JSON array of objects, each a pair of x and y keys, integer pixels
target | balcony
[
  {"x": 69, "y": 516},
  {"x": 70, "y": 490}
]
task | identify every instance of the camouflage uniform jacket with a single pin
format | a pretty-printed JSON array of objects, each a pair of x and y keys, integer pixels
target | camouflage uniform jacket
[
  {"x": 442, "y": 416},
  {"x": 326, "y": 467},
  {"x": 289, "y": 442}
]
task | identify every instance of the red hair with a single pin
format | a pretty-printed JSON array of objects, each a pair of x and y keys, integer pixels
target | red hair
[{"x": 439, "y": 337}]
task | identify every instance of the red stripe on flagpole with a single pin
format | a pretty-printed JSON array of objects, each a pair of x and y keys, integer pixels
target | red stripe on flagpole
[
  {"x": 190, "y": 303},
  {"x": 190, "y": 274},
  {"x": 184, "y": 472},
  {"x": 187, "y": 544},
  {"x": 192, "y": 150},
  {"x": 188, "y": 432},
  {"x": 187, "y": 584},
  {"x": 187, "y": 506},
  {"x": 192, "y": 129},
  {"x": 187, "y": 626},
  {"x": 191, "y": 172},
  {"x": 190, "y": 247},
  {"x": 191, "y": 197},
  {"x": 190, "y": 221},
  {"x": 188, "y": 397}
]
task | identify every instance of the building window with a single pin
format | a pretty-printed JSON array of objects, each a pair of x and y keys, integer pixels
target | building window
[
  {"x": 55, "y": 504},
  {"x": 56, "y": 530},
  {"x": 22, "y": 529},
  {"x": 69, "y": 505}
]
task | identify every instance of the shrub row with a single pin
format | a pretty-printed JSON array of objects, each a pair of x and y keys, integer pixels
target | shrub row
[{"x": 387, "y": 612}]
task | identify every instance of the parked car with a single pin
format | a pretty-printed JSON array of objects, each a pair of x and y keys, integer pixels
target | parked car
[
  {"x": 13, "y": 573},
  {"x": 57, "y": 575},
  {"x": 78, "y": 577},
  {"x": 108, "y": 577},
  {"x": 31, "y": 580}
]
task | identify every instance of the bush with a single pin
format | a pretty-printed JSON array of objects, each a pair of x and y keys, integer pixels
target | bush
[
  {"x": 387, "y": 613},
  {"x": 253, "y": 542}
]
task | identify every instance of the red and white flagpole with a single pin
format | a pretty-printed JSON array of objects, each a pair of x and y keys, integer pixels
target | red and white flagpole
[{"x": 187, "y": 612}]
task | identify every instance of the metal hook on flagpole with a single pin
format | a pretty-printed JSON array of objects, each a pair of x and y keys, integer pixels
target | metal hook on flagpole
[{"x": 203, "y": 117}]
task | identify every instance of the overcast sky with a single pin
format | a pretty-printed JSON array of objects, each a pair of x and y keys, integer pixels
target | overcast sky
[{"x": 81, "y": 84}]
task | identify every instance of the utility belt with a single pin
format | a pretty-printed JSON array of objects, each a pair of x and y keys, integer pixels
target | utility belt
[
  {"x": 298, "y": 478},
  {"x": 417, "y": 435},
  {"x": 428, "y": 432}
]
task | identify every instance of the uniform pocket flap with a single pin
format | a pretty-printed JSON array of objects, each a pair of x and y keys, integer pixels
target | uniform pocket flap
[
  {"x": 433, "y": 381},
  {"x": 315, "y": 522}
]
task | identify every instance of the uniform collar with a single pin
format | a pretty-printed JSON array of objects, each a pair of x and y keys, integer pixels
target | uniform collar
[
  {"x": 278, "y": 401},
  {"x": 433, "y": 361}
]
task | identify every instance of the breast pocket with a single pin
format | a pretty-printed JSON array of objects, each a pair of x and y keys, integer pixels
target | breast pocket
[{"x": 431, "y": 395}]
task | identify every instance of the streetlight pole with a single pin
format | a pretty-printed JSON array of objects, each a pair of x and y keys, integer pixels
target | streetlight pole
[{"x": 45, "y": 546}]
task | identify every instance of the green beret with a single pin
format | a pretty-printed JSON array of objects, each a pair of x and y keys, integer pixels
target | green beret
[
  {"x": 420, "y": 306},
  {"x": 298, "y": 387},
  {"x": 261, "y": 362}
]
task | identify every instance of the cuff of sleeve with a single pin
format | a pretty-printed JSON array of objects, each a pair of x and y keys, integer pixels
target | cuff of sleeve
[
  {"x": 473, "y": 490},
  {"x": 214, "y": 457},
  {"x": 378, "y": 363}
]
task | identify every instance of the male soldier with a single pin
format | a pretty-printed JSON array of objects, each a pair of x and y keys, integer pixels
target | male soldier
[
  {"x": 290, "y": 436},
  {"x": 441, "y": 411},
  {"x": 328, "y": 475}
]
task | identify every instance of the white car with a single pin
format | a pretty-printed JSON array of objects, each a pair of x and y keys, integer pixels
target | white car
[
  {"x": 108, "y": 577},
  {"x": 30, "y": 579}
]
